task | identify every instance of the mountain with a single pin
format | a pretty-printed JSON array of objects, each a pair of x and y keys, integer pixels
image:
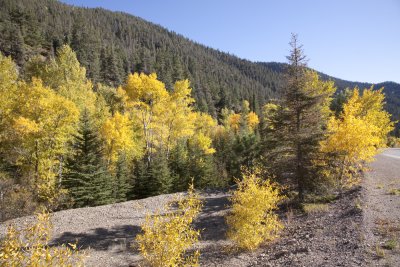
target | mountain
[{"x": 112, "y": 44}]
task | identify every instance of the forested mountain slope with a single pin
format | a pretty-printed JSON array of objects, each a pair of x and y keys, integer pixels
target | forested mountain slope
[{"x": 112, "y": 44}]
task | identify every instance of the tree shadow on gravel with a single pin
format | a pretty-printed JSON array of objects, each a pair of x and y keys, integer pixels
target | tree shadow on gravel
[
  {"x": 119, "y": 238},
  {"x": 116, "y": 238},
  {"x": 211, "y": 222}
]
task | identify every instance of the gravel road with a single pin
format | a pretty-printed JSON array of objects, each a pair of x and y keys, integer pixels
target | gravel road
[
  {"x": 381, "y": 219},
  {"x": 347, "y": 233}
]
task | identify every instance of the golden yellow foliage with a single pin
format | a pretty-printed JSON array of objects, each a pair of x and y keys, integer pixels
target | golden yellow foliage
[
  {"x": 166, "y": 238},
  {"x": 315, "y": 87},
  {"x": 8, "y": 88},
  {"x": 176, "y": 115},
  {"x": 357, "y": 134},
  {"x": 43, "y": 123},
  {"x": 29, "y": 247},
  {"x": 205, "y": 127},
  {"x": 240, "y": 123},
  {"x": 203, "y": 142},
  {"x": 252, "y": 220},
  {"x": 8, "y": 76},
  {"x": 252, "y": 120},
  {"x": 145, "y": 88},
  {"x": 68, "y": 78},
  {"x": 234, "y": 121},
  {"x": 148, "y": 98},
  {"x": 24, "y": 126},
  {"x": 362, "y": 127},
  {"x": 117, "y": 132},
  {"x": 370, "y": 107},
  {"x": 353, "y": 137},
  {"x": 270, "y": 111},
  {"x": 166, "y": 118}
]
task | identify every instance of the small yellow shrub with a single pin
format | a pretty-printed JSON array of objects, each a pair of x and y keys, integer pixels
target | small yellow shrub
[
  {"x": 166, "y": 238},
  {"x": 29, "y": 247},
  {"x": 252, "y": 220}
]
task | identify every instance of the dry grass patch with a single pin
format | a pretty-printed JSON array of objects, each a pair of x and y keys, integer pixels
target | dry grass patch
[
  {"x": 391, "y": 244},
  {"x": 394, "y": 191},
  {"x": 379, "y": 252},
  {"x": 380, "y": 186},
  {"x": 312, "y": 208}
]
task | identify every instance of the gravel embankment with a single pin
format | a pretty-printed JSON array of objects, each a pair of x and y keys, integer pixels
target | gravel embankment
[
  {"x": 345, "y": 234},
  {"x": 107, "y": 234}
]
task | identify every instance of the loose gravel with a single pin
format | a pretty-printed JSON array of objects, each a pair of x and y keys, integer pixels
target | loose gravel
[{"x": 346, "y": 233}]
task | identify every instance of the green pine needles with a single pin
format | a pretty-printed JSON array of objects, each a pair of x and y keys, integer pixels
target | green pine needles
[{"x": 86, "y": 179}]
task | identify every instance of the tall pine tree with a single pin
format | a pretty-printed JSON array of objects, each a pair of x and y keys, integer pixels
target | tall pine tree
[
  {"x": 298, "y": 125},
  {"x": 121, "y": 185},
  {"x": 87, "y": 181}
]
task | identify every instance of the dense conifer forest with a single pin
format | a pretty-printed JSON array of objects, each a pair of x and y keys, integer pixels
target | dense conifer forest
[{"x": 110, "y": 45}]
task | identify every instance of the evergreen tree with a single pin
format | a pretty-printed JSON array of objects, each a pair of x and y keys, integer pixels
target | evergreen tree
[
  {"x": 179, "y": 167},
  {"x": 121, "y": 185},
  {"x": 87, "y": 181},
  {"x": 299, "y": 124},
  {"x": 141, "y": 180},
  {"x": 160, "y": 177},
  {"x": 177, "y": 69},
  {"x": 110, "y": 67},
  {"x": 188, "y": 162},
  {"x": 152, "y": 178},
  {"x": 203, "y": 171},
  {"x": 18, "y": 47}
]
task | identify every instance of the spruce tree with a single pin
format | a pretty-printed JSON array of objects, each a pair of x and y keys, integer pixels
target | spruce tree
[
  {"x": 152, "y": 178},
  {"x": 86, "y": 179},
  {"x": 160, "y": 175},
  {"x": 141, "y": 180},
  {"x": 179, "y": 167},
  {"x": 298, "y": 124},
  {"x": 121, "y": 185}
]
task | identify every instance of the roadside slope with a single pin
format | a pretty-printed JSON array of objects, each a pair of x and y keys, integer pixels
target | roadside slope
[
  {"x": 346, "y": 233},
  {"x": 382, "y": 208}
]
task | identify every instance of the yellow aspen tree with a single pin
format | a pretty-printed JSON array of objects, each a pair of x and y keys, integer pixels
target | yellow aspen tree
[
  {"x": 8, "y": 89},
  {"x": 166, "y": 238},
  {"x": 234, "y": 121},
  {"x": 359, "y": 131},
  {"x": 43, "y": 124},
  {"x": 147, "y": 94},
  {"x": 30, "y": 247},
  {"x": 177, "y": 115},
  {"x": 315, "y": 87},
  {"x": 117, "y": 132},
  {"x": 205, "y": 127},
  {"x": 372, "y": 110},
  {"x": 68, "y": 78},
  {"x": 252, "y": 120}
]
